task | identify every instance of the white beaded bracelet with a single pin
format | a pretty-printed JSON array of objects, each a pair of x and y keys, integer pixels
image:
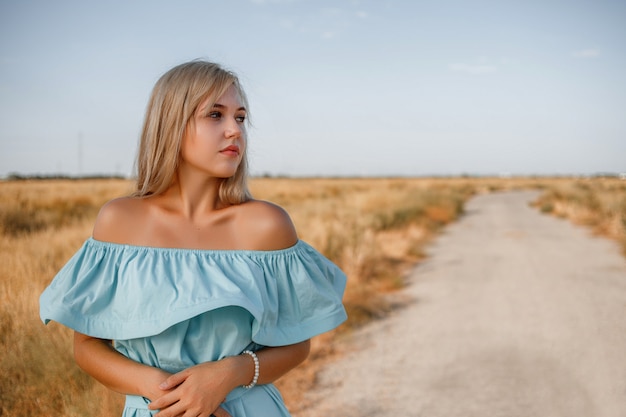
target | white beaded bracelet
[{"x": 255, "y": 379}]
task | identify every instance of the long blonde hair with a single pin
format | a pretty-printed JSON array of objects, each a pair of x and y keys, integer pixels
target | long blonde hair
[{"x": 173, "y": 102}]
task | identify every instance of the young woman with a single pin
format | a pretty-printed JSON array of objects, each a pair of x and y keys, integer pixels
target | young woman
[{"x": 191, "y": 297}]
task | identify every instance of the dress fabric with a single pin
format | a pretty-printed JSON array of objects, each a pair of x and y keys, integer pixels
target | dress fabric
[{"x": 175, "y": 308}]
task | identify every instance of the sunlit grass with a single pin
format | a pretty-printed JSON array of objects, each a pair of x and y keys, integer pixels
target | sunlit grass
[{"x": 596, "y": 203}]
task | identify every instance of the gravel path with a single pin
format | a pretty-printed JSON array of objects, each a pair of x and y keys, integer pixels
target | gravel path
[{"x": 515, "y": 313}]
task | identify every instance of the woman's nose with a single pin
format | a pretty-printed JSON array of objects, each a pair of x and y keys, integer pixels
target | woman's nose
[{"x": 233, "y": 129}]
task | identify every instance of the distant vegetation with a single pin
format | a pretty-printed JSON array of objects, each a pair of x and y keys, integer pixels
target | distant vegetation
[
  {"x": 24, "y": 177},
  {"x": 374, "y": 229}
]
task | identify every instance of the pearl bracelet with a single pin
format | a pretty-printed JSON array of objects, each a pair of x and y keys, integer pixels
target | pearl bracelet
[{"x": 255, "y": 379}]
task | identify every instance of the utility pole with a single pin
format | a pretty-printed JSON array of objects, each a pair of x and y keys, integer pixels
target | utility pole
[{"x": 80, "y": 154}]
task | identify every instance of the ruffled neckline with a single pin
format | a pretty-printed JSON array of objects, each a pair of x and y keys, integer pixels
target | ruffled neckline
[
  {"x": 120, "y": 291},
  {"x": 243, "y": 252}
]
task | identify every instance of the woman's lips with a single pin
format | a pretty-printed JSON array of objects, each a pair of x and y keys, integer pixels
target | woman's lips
[{"x": 232, "y": 150}]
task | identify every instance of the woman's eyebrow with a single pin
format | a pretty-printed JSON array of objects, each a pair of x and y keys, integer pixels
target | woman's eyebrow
[{"x": 221, "y": 106}]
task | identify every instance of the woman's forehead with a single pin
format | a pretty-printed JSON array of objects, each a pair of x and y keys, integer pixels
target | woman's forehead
[{"x": 231, "y": 97}]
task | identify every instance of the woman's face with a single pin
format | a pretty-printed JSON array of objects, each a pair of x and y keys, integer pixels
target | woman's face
[{"x": 215, "y": 141}]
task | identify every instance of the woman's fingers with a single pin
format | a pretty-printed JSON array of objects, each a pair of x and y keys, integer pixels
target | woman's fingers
[
  {"x": 174, "y": 380},
  {"x": 220, "y": 412},
  {"x": 164, "y": 401},
  {"x": 173, "y": 411},
  {"x": 177, "y": 410}
]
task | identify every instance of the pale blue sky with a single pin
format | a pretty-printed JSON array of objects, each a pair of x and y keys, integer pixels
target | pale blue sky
[{"x": 336, "y": 87}]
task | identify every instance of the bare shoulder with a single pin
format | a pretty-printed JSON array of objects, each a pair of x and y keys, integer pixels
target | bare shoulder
[
  {"x": 265, "y": 226},
  {"x": 117, "y": 219}
]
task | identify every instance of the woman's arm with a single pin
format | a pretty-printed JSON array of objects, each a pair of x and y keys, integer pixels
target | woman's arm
[
  {"x": 188, "y": 387},
  {"x": 99, "y": 359},
  {"x": 275, "y": 362}
]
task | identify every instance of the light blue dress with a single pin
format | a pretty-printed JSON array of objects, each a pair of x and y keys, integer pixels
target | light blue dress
[{"x": 175, "y": 308}]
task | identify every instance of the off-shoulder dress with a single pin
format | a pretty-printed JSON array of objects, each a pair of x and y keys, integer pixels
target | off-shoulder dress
[{"x": 175, "y": 308}]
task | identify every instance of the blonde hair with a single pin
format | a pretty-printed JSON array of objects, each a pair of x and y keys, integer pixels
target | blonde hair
[{"x": 174, "y": 100}]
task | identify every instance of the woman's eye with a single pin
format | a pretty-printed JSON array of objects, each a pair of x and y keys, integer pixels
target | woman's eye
[
  {"x": 215, "y": 115},
  {"x": 240, "y": 119}
]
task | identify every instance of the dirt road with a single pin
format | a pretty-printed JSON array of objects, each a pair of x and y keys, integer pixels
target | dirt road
[{"x": 514, "y": 314}]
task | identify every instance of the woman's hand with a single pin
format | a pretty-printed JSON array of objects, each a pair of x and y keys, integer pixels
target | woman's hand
[{"x": 199, "y": 390}]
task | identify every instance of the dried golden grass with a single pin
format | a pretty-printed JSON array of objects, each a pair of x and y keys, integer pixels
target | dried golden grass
[
  {"x": 599, "y": 203},
  {"x": 30, "y": 206},
  {"x": 374, "y": 229},
  {"x": 39, "y": 376}
]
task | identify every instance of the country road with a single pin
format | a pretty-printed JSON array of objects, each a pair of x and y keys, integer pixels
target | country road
[{"x": 513, "y": 314}]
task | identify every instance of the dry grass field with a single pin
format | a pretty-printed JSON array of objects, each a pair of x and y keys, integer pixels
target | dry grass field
[
  {"x": 599, "y": 204},
  {"x": 374, "y": 229}
]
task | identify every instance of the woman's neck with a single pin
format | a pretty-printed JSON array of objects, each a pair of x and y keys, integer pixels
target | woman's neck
[{"x": 193, "y": 196}]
